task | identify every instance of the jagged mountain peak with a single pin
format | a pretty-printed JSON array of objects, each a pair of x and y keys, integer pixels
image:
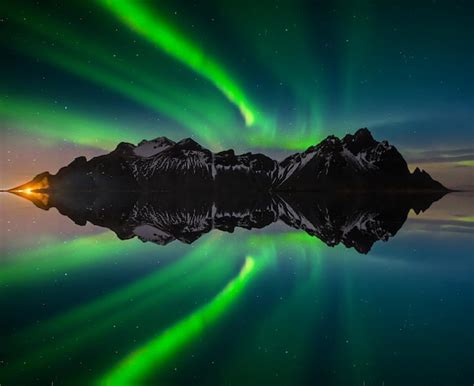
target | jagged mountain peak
[
  {"x": 158, "y": 141},
  {"x": 150, "y": 148},
  {"x": 330, "y": 142},
  {"x": 419, "y": 171},
  {"x": 189, "y": 144},
  {"x": 361, "y": 140},
  {"x": 124, "y": 148},
  {"x": 357, "y": 162},
  {"x": 363, "y": 134}
]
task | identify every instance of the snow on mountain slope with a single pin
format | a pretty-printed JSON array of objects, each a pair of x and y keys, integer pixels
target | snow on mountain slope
[
  {"x": 185, "y": 156},
  {"x": 355, "y": 162},
  {"x": 150, "y": 148}
]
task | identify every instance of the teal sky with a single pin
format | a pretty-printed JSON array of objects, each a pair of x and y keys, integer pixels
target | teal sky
[{"x": 79, "y": 77}]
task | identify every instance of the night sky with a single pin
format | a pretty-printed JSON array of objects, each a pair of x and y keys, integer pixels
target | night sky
[{"x": 79, "y": 77}]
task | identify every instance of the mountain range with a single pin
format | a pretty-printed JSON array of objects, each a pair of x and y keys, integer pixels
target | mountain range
[{"x": 357, "y": 162}]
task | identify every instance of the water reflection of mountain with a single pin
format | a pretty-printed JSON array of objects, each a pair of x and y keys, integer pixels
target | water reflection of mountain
[{"x": 355, "y": 220}]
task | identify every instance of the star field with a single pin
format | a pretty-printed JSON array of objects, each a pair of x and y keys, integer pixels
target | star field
[{"x": 77, "y": 78}]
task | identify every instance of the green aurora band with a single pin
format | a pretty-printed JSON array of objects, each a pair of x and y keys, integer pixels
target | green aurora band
[
  {"x": 137, "y": 365},
  {"x": 200, "y": 111},
  {"x": 152, "y": 283},
  {"x": 55, "y": 123},
  {"x": 141, "y": 84},
  {"x": 129, "y": 70},
  {"x": 294, "y": 78},
  {"x": 41, "y": 264},
  {"x": 309, "y": 266},
  {"x": 152, "y": 26},
  {"x": 178, "y": 328},
  {"x": 161, "y": 288},
  {"x": 276, "y": 51}
]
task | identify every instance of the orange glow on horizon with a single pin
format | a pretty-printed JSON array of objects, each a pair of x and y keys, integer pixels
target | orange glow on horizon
[
  {"x": 38, "y": 198},
  {"x": 32, "y": 186}
]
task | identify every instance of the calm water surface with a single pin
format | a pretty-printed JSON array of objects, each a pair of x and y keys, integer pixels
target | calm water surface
[{"x": 267, "y": 307}]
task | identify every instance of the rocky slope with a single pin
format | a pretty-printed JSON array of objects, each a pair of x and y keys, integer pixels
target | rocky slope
[{"x": 354, "y": 163}]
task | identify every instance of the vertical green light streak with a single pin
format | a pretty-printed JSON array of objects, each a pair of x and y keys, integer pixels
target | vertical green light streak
[
  {"x": 153, "y": 27},
  {"x": 140, "y": 363},
  {"x": 292, "y": 239},
  {"x": 286, "y": 327},
  {"x": 279, "y": 39},
  {"x": 282, "y": 329},
  {"x": 356, "y": 25},
  {"x": 356, "y": 339}
]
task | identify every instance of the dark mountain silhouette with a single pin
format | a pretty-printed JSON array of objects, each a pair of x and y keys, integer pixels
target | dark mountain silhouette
[
  {"x": 355, "y": 163},
  {"x": 353, "y": 191},
  {"x": 354, "y": 220}
]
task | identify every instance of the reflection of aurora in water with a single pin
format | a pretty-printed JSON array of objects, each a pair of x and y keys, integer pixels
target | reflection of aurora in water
[
  {"x": 149, "y": 357},
  {"x": 257, "y": 308},
  {"x": 211, "y": 309},
  {"x": 163, "y": 288}
]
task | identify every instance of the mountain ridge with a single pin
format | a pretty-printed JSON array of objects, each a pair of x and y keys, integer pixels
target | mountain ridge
[{"x": 357, "y": 162}]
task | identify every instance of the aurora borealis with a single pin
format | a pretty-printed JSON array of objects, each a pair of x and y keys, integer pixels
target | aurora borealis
[
  {"x": 275, "y": 76},
  {"x": 272, "y": 306},
  {"x": 268, "y": 306}
]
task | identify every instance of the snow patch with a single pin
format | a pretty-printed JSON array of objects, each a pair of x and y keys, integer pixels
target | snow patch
[
  {"x": 153, "y": 147},
  {"x": 359, "y": 161}
]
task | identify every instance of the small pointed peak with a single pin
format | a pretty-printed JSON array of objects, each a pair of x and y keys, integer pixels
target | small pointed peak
[
  {"x": 362, "y": 139},
  {"x": 420, "y": 172},
  {"x": 329, "y": 143},
  {"x": 124, "y": 148},
  {"x": 330, "y": 139},
  {"x": 187, "y": 140},
  {"x": 78, "y": 161},
  {"x": 363, "y": 133},
  {"x": 189, "y": 143},
  {"x": 348, "y": 138},
  {"x": 163, "y": 140},
  {"x": 124, "y": 145}
]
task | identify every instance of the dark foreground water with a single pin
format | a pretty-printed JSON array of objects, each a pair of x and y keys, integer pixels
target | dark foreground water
[{"x": 266, "y": 307}]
